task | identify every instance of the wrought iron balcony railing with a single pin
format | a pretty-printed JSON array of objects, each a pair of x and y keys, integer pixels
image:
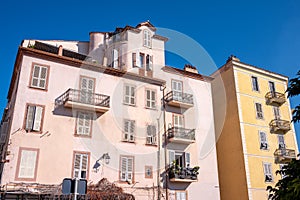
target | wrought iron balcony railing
[
  {"x": 275, "y": 98},
  {"x": 284, "y": 155},
  {"x": 179, "y": 99},
  {"x": 279, "y": 126},
  {"x": 83, "y": 99},
  {"x": 181, "y": 135},
  {"x": 183, "y": 174}
]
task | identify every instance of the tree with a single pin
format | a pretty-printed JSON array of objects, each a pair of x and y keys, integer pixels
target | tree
[{"x": 288, "y": 188}]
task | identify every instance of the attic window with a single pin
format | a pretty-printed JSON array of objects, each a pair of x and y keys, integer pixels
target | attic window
[{"x": 147, "y": 40}]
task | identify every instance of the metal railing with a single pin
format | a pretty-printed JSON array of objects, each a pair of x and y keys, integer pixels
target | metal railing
[
  {"x": 285, "y": 153},
  {"x": 279, "y": 124},
  {"x": 181, "y": 133},
  {"x": 275, "y": 97},
  {"x": 80, "y": 96},
  {"x": 179, "y": 96}
]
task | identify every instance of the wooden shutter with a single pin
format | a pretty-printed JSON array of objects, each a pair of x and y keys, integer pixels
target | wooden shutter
[
  {"x": 84, "y": 165},
  {"x": 132, "y": 129},
  {"x": 27, "y": 164},
  {"x": 129, "y": 169},
  {"x": 43, "y": 76},
  {"x": 259, "y": 112},
  {"x": 30, "y": 118},
  {"x": 35, "y": 76},
  {"x": 123, "y": 168},
  {"x": 132, "y": 95},
  {"x": 148, "y": 96},
  {"x": 115, "y": 58},
  {"x": 80, "y": 165},
  {"x": 38, "y": 118},
  {"x": 171, "y": 156},
  {"x": 133, "y": 59},
  {"x": 153, "y": 100},
  {"x": 187, "y": 160},
  {"x": 84, "y": 123},
  {"x": 151, "y": 63},
  {"x": 4, "y": 133}
]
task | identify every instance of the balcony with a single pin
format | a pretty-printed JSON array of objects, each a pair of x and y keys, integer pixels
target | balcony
[
  {"x": 179, "y": 174},
  {"x": 284, "y": 155},
  {"x": 181, "y": 135},
  {"x": 84, "y": 100},
  {"x": 275, "y": 98},
  {"x": 179, "y": 99},
  {"x": 279, "y": 126}
]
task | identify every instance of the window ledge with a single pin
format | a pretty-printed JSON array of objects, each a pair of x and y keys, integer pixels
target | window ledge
[{"x": 37, "y": 88}]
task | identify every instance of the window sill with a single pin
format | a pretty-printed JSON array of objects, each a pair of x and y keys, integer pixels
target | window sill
[
  {"x": 126, "y": 141},
  {"x": 36, "y": 88},
  {"x": 132, "y": 105},
  {"x": 33, "y": 132},
  {"x": 82, "y": 136},
  {"x": 148, "y": 108},
  {"x": 153, "y": 145}
]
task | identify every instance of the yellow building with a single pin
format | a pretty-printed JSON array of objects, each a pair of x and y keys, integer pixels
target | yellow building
[{"x": 254, "y": 134}]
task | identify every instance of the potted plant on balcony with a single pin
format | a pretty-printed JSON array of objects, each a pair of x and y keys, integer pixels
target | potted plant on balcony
[
  {"x": 195, "y": 172},
  {"x": 174, "y": 170}
]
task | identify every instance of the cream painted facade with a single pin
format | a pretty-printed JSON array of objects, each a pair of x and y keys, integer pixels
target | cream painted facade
[
  {"x": 242, "y": 158},
  {"x": 71, "y": 104}
]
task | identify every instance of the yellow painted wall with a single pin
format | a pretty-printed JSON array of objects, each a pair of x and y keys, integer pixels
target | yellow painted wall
[{"x": 231, "y": 167}]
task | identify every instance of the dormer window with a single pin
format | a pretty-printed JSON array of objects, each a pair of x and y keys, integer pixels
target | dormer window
[{"x": 147, "y": 40}]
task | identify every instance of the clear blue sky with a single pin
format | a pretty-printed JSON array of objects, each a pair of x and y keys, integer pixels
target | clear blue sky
[{"x": 262, "y": 33}]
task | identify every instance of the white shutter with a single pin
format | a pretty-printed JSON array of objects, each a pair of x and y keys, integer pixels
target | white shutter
[
  {"x": 115, "y": 58},
  {"x": 187, "y": 160},
  {"x": 129, "y": 169},
  {"x": 123, "y": 169},
  {"x": 134, "y": 59},
  {"x": 180, "y": 195},
  {"x": 77, "y": 163},
  {"x": 84, "y": 165},
  {"x": 178, "y": 121},
  {"x": 151, "y": 63},
  {"x": 171, "y": 156},
  {"x": 35, "y": 76},
  {"x": 43, "y": 76},
  {"x": 138, "y": 62},
  {"x": 38, "y": 118},
  {"x": 30, "y": 117},
  {"x": 27, "y": 164},
  {"x": 131, "y": 130},
  {"x": 80, "y": 165}
]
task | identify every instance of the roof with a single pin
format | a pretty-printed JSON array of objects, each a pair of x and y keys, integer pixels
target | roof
[
  {"x": 236, "y": 62},
  {"x": 187, "y": 73}
]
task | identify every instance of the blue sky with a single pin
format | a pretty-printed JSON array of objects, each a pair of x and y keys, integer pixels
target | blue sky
[{"x": 262, "y": 33}]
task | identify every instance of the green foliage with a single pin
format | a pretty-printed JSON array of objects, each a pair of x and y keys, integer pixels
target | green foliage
[
  {"x": 294, "y": 90},
  {"x": 288, "y": 188}
]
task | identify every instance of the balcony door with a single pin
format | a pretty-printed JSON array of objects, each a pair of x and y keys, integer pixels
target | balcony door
[
  {"x": 178, "y": 121},
  {"x": 177, "y": 90},
  {"x": 86, "y": 90},
  {"x": 281, "y": 143},
  {"x": 276, "y": 112},
  {"x": 272, "y": 88}
]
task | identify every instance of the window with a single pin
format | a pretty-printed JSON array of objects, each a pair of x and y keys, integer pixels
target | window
[
  {"x": 134, "y": 60},
  {"x": 181, "y": 159},
  {"x": 147, "y": 40},
  {"x": 181, "y": 195},
  {"x": 84, "y": 122},
  {"x": 272, "y": 87},
  {"x": 129, "y": 129},
  {"x": 177, "y": 90},
  {"x": 281, "y": 143},
  {"x": 126, "y": 168},
  {"x": 281, "y": 168},
  {"x": 149, "y": 63},
  {"x": 178, "y": 121},
  {"x": 151, "y": 134},
  {"x": 268, "y": 172},
  {"x": 255, "y": 86},
  {"x": 87, "y": 86},
  {"x": 259, "y": 112},
  {"x": 148, "y": 172},
  {"x": 115, "y": 58},
  {"x": 81, "y": 162},
  {"x": 129, "y": 95},
  {"x": 34, "y": 117},
  {"x": 141, "y": 60},
  {"x": 150, "y": 99},
  {"x": 39, "y": 76},
  {"x": 276, "y": 112},
  {"x": 263, "y": 140},
  {"x": 28, "y": 159}
]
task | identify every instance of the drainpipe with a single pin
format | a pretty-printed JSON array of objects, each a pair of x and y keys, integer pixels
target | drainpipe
[
  {"x": 158, "y": 160},
  {"x": 165, "y": 142}
]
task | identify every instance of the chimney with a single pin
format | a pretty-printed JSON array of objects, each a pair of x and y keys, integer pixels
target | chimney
[
  {"x": 190, "y": 68},
  {"x": 232, "y": 58},
  {"x": 60, "y": 50}
]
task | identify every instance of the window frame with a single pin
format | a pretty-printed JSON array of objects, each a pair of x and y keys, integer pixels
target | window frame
[
  {"x": 266, "y": 174},
  {"x": 88, "y": 163},
  {"x": 147, "y": 38},
  {"x": 33, "y": 64},
  {"x": 129, "y": 133},
  {"x": 255, "y": 84},
  {"x": 181, "y": 191},
  {"x": 153, "y": 136},
  {"x": 151, "y": 100},
  {"x": 42, "y": 117},
  {"x": 283, "y": 142},
  {"x": 260, "y": 141},
  {"x": 257, "y": 112},
  {"x": 17, "y": 177},
  {"x": 148, "y": 167},
  {"x": 173, "y": 120},
  {"x": 120, "y": 168},
  {"x": 129, "y": 96},
  {"x": 90, "y": 126}
]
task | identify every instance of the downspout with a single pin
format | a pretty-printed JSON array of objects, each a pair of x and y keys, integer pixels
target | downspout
[{"x": 165, "y": 142}]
